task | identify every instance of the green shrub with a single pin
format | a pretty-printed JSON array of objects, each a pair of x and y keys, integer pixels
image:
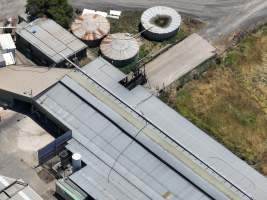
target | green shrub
[{"x": 58, "y": 10}]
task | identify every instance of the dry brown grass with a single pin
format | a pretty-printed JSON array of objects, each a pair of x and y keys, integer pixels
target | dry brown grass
[{"x": 229, "y": 101}]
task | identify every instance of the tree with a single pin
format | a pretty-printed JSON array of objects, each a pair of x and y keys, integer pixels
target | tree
[{"x": 58, "y": 10}]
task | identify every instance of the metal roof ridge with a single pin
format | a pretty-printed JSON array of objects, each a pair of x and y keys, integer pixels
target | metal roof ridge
[{"x": 149, "y": 133}]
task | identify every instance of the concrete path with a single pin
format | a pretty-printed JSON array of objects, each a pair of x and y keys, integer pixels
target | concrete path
[
  {"x": 178, "y": 61},
  {"x": 20, "y": 137}
]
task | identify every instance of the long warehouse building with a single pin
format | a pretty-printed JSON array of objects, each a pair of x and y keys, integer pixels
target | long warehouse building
[{"x": 136, "y": 147}]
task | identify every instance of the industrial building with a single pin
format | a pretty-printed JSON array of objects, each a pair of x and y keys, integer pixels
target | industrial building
[
  {"x": 13, "y": 189},
  {"x": 133, "y": 146},
  {"x": 136, "y": 147},
  {"x": 44, "y": 41},
  {"x": 7, "y": 50}
]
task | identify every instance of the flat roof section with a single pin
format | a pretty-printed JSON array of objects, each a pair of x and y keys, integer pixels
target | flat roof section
[
  {"x": 6, "y": 42},
  {"x": 90, "y": 105},
  {"x": 9, "y": 58},
  {"x": 184, "y": 132},
  {"x": 51, "y": 39},
  {"x": 157, "y": 141},
  {"x": 117, "y": 166},
  {"x": 178, "y": 61},
  {"x": 12, "y": 189},
  {"x": 29, "y": 81}
]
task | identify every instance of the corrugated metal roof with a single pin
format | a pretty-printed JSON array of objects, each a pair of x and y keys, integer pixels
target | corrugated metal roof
[
  {"x": 91, "y": 113},
  {"x": 99, "y": 124},
  {"x": 181, "y": 130},
  {"x": 51, "y": 39},
  {"x": 2, "y": 61},
  {"x": 16, "y": 190},
  {"x": 9, "y": 58},
  {"x": 117, "y": 166},
  {"x": 6, "y": 42},
  {"x": 90, "y": 27}
]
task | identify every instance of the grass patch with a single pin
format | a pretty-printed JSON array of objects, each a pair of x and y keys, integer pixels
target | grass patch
[
  {"x": 229, "y": 101},
  {"x": 128, "y": 22}
]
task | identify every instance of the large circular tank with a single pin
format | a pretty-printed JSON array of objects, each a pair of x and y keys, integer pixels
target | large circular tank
[
  {"x": 160, "y": 23},
  {"x": 119, "y": 49},
  {"x": 91, "y": 28}
]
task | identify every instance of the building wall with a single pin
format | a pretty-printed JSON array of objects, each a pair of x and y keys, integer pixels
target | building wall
[
  {"x": 2, "y": 61},
  {"x": 79, "y": 55},
  {"x": 38, "y": 57},
  {"x": 121, "y": 63},
  {"x": 8, "y": 98},
  {"x": 32, "y": 52},
  {"x": 27, "y": 106},
  {"x": 157, "y": 36},
  {"x": 13, "y": 51}
]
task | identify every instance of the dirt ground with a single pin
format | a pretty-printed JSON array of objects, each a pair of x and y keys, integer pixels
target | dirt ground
[
  {"x": 20, "y": 138},
  {"x": 10, "y": 8},
  {"x": 229, "y": 101}
]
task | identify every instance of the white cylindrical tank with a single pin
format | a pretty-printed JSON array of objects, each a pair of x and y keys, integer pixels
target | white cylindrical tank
[
  {"x": 76, "y": 162},
  {"x": 91, "y": 28},
  {"x": 160, "y": 23},
  {"x": 119, "y": 49}
]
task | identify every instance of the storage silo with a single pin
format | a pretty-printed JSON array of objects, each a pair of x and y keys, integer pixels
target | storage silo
[
  {"x": 76, "y": 162},
  {"x": 91, "y": 28},
  {"x": 119, "y": 49},
  {"x": 160, "y": 23}
]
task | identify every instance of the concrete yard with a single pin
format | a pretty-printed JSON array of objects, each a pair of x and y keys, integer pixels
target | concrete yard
[
  {"x": 20, "y": 138},
  {"x": 29, "y": 80},
  {"x": 178, "y": 61}
]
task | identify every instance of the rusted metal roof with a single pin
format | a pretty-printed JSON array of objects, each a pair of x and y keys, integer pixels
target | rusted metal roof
[{"x": 90, "y": 27}]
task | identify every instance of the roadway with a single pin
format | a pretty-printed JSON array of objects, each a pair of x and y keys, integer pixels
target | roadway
[
  {"x": 222, "y": 16},
  {"x": 9, "y": 8}
]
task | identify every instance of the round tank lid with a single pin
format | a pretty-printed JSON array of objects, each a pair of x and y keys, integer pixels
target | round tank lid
[
  {"x": 76, "y": 156},
  {"x": 119, "y": 46},
  {"x": 161, "y": 19},
  {"x": 90, "y": 26}
]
